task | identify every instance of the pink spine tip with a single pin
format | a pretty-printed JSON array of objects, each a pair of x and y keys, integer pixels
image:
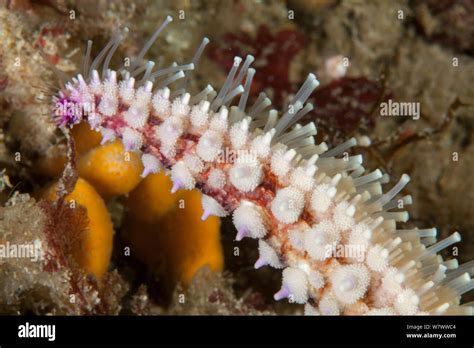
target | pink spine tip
[
  {"x": 145, "y": 172},
  {"x": 260, "y": 263},
  {"x": 95, "y": 125},
  {"x": 105, "y": 139},
  {"x": 205, "y": 215},
  {"x": 176, "y": 186},
  {"x": 282, "y": 293},
  {"x": 241, "y": 233}
]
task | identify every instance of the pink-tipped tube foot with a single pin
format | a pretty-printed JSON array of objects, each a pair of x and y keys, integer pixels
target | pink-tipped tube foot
[
  {"x": 260, "y": 263},
  {"x": 283, "y": 293},
  {"x": 241, "y": 233},
  {"x": 205, "y": 215},
  {"x": 105, "y": 140},
  {"x": 176, "y": 186},
  {"x": 145, "y": 172}
]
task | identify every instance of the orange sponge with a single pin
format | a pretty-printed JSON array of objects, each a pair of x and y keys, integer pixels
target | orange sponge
[
  {"x": 152, "y": 199},
  {"x": 165, "y": 228},
  {"x": 196, "y": 243},
  {"x": 166, "y": 232},
  {"x": 85, "y": 138},
  {"x": 53, "y": 162},
  {"x": 97, "y": 244},
  {"x": 111, "y": 170}
]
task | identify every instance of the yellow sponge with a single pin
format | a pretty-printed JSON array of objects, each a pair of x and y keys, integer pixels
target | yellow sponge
[
  {"x": 53, "y": 162},
  {"x": 152, "y": 199},
  {"x": 166, "y": 232},
  {"x": 111, "y": 170},
  {"x": 97, "y": 243}
]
